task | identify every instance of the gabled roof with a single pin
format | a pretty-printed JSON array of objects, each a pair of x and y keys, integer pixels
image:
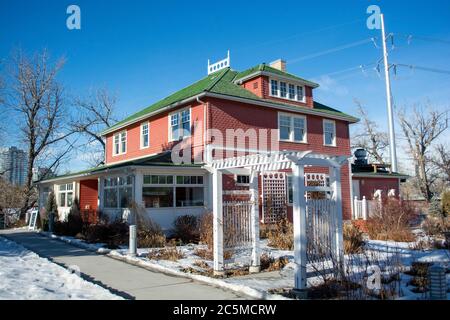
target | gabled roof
[
  {"x": 265, "y": 69},
  {"x": 223, "y": 83}
]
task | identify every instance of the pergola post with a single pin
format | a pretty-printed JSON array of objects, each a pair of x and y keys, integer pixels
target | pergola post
[
  {"x": 255, "y": 266},
  {"x": 299, "y": 220},
  {"x": 335, "y": 181},
  {"x": 217, "y": 222}
]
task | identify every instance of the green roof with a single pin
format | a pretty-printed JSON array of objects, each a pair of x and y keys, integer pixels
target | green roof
[{"x": 223, "y": 82}]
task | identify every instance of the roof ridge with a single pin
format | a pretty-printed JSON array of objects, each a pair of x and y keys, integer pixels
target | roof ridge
[{"x": 211, "y": 86}]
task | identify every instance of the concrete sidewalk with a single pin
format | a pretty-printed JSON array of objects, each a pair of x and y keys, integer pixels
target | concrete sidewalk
[{"x": 123, "y": 279}]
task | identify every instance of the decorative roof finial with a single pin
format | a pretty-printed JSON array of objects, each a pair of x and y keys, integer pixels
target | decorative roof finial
[{"x": 225, "y": 63}]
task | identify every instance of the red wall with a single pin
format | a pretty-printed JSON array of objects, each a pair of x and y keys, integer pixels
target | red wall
[
  {"x": 159, "y": 135},
  {"x": 367, "y": 186},
  {"x": 88, "y": 194}
]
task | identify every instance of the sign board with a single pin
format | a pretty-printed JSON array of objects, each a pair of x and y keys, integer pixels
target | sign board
[{"x": 33, "y": 218}]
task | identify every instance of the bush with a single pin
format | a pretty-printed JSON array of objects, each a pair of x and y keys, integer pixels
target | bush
[
  {"x": 353, "y": 239},
  {"x": 435, "y": 208},
  {"x": 391, "y": 221},
  {"x": 113, "y": 234},
  {"x": 206, "y": 230},
  {"x": 167, "y": 253},
  {"x": 281, "y": 235},
  {"x": 433, "y": 226},
  {"x": 446, "y": 203},
  {"x": 186, "y": 229}
]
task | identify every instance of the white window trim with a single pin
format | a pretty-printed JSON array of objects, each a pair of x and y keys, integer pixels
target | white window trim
[
  {"x": 119, "y": 134},
  {"x": 291, "y": 139},
  {"x": 116, "y": 188},
  {"x": 66, "y": 192},
  {"x": 278, "y": 95},
  {"x": 179, "y": 112},
  {"x": 142, "y": 135},
  {"x": 334, "y": 134},
  {"x": 241, "y": 184},
  {"x": 174, "y": 186}
]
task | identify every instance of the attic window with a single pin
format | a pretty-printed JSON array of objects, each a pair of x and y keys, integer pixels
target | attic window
[{"x": 255, "y": 85}]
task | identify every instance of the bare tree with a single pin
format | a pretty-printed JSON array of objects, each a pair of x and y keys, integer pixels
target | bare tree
[
  {"x": 96, "y": 113},
  {"x": 441, "y": 160},
  {"x": 421, "y": 127},
  {"x": 37, "y": 100},
  {"x": 370, "y": 137}
]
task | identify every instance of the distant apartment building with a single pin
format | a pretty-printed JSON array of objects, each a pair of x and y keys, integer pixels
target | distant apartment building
[
  {"x": 13, "y": 165},
  {"x": 42, "y": 173}
]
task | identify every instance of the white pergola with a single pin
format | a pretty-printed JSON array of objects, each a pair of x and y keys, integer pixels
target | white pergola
[{"x": 275, "y": 161}]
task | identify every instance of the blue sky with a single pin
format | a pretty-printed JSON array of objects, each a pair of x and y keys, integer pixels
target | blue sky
[{"x": 145, "y": 50}]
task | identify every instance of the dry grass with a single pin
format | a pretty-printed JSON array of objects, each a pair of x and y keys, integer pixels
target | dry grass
[
  {"x": 206, "y": 230},
  {"x": 269, "y": 263},
  {"x": 207, "y": 254},
  {"x": 391, "y": 221},
  {"x": 170, "y": 253},
  {"x": 281, "y": 235},
  {"x": 353, "y": 239},
  {"x": 149, "y": 233},
  {"x": 201, "y": 264}
]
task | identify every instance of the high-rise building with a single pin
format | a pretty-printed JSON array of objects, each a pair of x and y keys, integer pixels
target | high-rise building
[{"x": 13, "y": 165}]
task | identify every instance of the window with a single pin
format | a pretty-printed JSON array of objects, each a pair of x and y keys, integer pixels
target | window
[
  {"x": 300, "y": 94},
  {"x": 120, "y": 143},
  {"x": 289, "y": 91},
  {"x": 145, "y": 135},
  {"x": 242, "y": 180},
  {"x": 180, "y": 124},
  {"x": 164, "y": 191},
  {"x": 118, "y": 192},
  {"x": 292, "y": 128},
  {"x": 65, "y": 195},
  {"x": 283, "y": 89},
  {"x": 274, "y": 87},
  {"x": 290, "y": 190},
  {"x": 329, "y": 133}
]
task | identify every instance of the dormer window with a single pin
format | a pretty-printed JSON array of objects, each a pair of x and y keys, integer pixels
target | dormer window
[{"x": 285, "y": 90}]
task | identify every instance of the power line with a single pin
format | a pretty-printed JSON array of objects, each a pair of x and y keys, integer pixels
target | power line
[
  {"x": 413, "y": 67},
  {"x": 332, "y": 50},
  {"x": 410, "y": 37}
]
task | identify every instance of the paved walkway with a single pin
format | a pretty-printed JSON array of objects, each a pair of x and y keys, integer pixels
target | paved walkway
[{"x": 123, "y": 279}]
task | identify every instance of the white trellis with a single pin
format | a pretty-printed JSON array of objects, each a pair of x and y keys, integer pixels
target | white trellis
[{"x": 274, "y": 161}]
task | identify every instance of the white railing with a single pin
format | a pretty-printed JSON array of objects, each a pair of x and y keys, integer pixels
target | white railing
[
  {"x": 360, "y": 209},
  {"x": 237, "y": 229}
]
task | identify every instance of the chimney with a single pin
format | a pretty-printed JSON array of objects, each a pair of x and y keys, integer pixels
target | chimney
[{"x": 279, "y": 64}]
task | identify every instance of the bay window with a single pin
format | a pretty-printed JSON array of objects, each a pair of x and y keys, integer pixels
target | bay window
[
  {"x": 292, "y": 128},
  {"x": 165, "y": 191},
  {"x": 118, "y": 192}
]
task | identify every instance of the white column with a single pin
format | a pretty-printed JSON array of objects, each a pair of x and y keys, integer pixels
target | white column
[
  {"x": 138, "y": 183},
  {"x": 255, "y": 267},
  {"x": 299, "y": 220},
  {"x": 364, "y": 208},
  {"x": 100, "y": 193},
  {"x": 335, "y": 179},
  {"x": 217, "y": 222}
]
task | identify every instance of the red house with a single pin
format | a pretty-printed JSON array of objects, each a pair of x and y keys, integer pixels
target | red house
[{"x": 139, "y": 163}]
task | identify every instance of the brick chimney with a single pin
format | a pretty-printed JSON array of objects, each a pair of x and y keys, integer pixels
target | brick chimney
[{"x": 279, "y": 64}]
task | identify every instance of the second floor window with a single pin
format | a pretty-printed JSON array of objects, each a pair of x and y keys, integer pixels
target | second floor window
[
  {"x": 120, "y": 143},
  {"x": 329, "y": 133},
  {"x": 291, "y": 92},
  {"x": 145, "y": 135},
  {"x": 283, "y": 89},
  {"x": 292, "y": 128},
  {"x": 180, "y": 124},
  {"x": 274, "y": 87}
]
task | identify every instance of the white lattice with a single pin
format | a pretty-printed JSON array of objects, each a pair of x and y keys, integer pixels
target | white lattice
[{"x": 274, "y": 196}]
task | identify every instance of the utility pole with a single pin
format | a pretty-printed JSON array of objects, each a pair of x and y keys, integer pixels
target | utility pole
[{"x": 392, "y": 148}]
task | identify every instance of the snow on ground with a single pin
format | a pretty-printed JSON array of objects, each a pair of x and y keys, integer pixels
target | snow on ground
[
  {"x": 379, "y": 252},
  {"x": 24, "y": 275}
]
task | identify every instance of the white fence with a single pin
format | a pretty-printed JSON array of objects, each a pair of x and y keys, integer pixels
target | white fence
[
  {"x": 321, "y": 227},
  {"x": 237, "y": 229},
  {"x": 363, "y": 209}
]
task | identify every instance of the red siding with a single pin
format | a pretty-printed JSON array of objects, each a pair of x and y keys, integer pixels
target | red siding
[
  {"x": 367, "y": 186},
  {"x": 88, "y": 194}
]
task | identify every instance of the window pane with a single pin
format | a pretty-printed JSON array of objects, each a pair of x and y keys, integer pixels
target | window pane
[
  {"x": 155, "y": 179},
  {"x": 162, "y": 180},
  {"x": 298, "y": 134},
  {"x": 69, "y": 199},
  {"x": 157, "y": 197},
  {"x": 62, "y": 187},
  {"x": 200, "y": 179},
  {"x": 147, "y": 179},
  {"x": 283, "y": 89},
  {"x": 125, "y": 196},
  {"x": 169, "y": 179},
  {"x": 175, "y": 132},
  {"x": 290, "y": 190},
  {"x": 189, "y": 196},
  {"x": 285, "y": 121},
  {"x": 291, "y": 91},
  {"x": 274, "y": 87},
  {"x": 62, "y": 199},
  {"x": 110, "y": 198},
  {"x": 285, "y": 133},
  {"x": 186, "y": 129},
  {"x": 180, "y": 179},
  {"x": 299, "y": 93},
  {"x": 328, "y": 138}
]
